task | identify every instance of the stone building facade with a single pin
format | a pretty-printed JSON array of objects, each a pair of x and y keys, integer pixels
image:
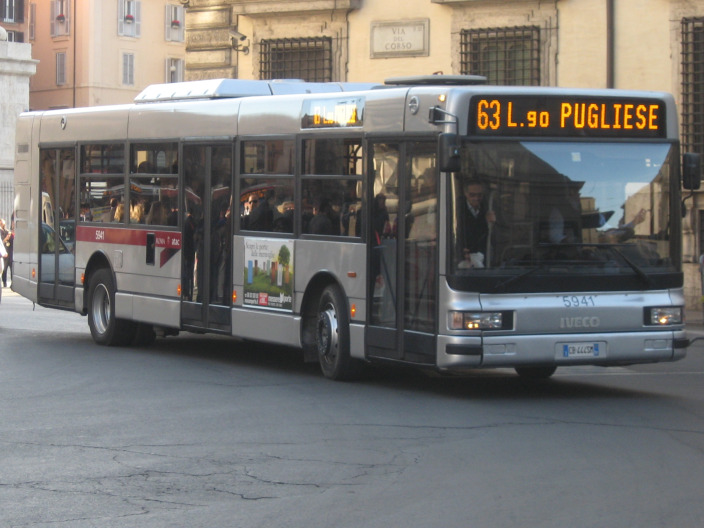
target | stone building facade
[
  {"x": 16, "y": 68},
  {"x": 629, "y": 44}
]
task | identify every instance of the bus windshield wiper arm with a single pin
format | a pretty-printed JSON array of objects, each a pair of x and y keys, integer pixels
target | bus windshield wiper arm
[
  {"x": 502, "y": 285},
  {"x": 635, "y": 267}
]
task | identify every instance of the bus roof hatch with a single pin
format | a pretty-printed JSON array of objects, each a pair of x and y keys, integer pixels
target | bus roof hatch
[{"x": 233, "y": 88}]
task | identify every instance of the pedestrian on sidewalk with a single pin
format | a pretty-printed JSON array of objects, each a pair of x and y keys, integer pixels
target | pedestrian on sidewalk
[
  {"x": 3, "y": 254},
  {"x": 8, "y": 237}
]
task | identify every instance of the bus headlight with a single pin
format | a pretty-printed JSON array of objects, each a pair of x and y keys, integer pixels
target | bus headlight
[
  {"x": 476, "y": 320},
  {"x": 663, "y": 315}
]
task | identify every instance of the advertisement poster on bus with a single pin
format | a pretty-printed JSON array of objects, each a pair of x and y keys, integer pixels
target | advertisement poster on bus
[{"x": 268, "y": 273}]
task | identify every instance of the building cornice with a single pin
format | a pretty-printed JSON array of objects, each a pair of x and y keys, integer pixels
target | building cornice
[{"x": 265, "y": 7}]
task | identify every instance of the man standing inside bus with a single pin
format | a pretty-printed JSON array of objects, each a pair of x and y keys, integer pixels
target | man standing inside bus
[{"x": 479, "y": 219}]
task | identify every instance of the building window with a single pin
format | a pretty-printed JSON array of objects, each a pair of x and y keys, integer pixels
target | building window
[
  {"x": 309, "y": 59},
  {"x": 174, "y": 22},
  {"x": 15, "y": 36},
  {"x": 60, "y": 18},
  {"x": 60, "y": 68},
  {"x": 174, "y": 70},
  {"x": 12, "y": 11},
  {"x": 693, "y": 85},
  {"x": 128, "y": 69},
  {"x": 129, "y": 18},
  {"x": 505, "y": 56}
]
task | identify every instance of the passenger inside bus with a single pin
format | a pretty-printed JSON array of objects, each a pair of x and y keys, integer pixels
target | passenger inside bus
[
  {"x": 119, "y": 213},
  {"x": 262, "y": 216},
  {"x": 137, "y": 213},
  {"x": 478, "y": 222},
  {"x": 157, "y": 214},
  {"x": 564, "y": 223},
  {"x": 321, "y": 224},
  {"x": 109, "y": 215}
]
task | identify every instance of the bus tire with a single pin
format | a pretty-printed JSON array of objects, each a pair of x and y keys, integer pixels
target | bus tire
[
  {"x": 332, "y": 337},
  {"x": 105, "y": 328},
  {"x": 536, "y": 373}
]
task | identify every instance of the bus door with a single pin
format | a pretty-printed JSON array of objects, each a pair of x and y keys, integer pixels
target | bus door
[
  {"x": 206, "y": 276},
  {"x": 402, "y": 237},
  {"x": 57, "y": 223}
]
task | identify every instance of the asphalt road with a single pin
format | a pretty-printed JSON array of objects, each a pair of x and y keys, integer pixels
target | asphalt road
[{"x": 202, "y": 431}]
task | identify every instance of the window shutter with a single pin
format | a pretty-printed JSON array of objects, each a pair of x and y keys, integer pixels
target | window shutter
[
  {"x": 138, "y": 19},
  {"x": 121, "y": 17},
  {"x": 32, "y": 20},
  {"x": 19, "y": 11},
  {"x": 180, "y": 37},
  {"x": 67, "y": 7},
  {"x": 60, "y": 69},
  {"x": 52, "y": 23}
]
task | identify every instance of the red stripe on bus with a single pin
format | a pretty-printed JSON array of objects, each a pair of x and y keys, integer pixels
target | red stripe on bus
[{"x": 130, "y": 237}]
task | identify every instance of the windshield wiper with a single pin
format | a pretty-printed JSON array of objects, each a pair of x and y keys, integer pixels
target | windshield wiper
[
  {"x": 642, "y": 275},
  {"x": 611, "y": 247},
  {"x": 500, "y": 287},
  {"x": 635, "y": 267}
]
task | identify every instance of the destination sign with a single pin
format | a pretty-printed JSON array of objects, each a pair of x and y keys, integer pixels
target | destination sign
[
  {"x": 610, "y": 117},
  {"x": 332, "y": 113}
]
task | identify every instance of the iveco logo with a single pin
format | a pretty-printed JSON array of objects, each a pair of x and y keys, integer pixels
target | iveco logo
[{"x": 579, "y": 322}]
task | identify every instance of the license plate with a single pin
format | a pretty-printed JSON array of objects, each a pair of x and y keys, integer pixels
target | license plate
[{"x": 570, "y": 350}]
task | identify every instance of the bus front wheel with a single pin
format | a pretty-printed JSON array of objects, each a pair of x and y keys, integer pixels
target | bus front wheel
[
  {"x": 332, "y": 337},
  {"x": 105, "y": 328}
]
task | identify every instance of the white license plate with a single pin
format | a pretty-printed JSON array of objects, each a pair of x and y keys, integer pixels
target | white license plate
[{"x": 570, "y": 350}]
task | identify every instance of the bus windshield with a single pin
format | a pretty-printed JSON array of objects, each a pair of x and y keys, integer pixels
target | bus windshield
[{"x": 563, "y": 216}]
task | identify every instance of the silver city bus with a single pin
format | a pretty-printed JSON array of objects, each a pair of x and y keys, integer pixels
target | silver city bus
[{"x": 430, "y": 221}]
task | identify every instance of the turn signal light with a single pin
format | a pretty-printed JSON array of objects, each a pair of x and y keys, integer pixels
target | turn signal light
[{"x": 665, "y": 315}]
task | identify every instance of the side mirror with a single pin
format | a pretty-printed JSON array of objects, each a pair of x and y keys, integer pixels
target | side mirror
[
  {"x": 449, "y": 150},
  {"x": 691, "y": 171}
]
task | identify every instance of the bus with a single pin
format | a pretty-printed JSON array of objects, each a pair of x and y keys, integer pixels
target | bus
[{"x": 430, "y": 221}]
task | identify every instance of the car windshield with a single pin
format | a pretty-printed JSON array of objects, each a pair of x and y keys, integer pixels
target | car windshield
[{"x": 545, "y": 215}]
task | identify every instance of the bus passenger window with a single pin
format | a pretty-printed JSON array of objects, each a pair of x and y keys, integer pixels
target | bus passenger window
[
  {"x": 267, "y": 205},
  {"x": 330, "y": 206},
  {"x": 146, "y": 191}
]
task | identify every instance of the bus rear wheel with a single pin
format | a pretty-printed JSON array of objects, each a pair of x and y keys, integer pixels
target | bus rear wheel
[
  {"x": 105, "y": 328},
  {"x": 536, "y": 373},
  {"x": 332, "y": 337}
]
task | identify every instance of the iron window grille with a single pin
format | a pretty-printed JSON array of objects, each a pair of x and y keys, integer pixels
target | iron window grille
[
  {"x": 692, "y": 107},
  {"x": 309, "y": 59},
  {"x": 505, "y": 56}
]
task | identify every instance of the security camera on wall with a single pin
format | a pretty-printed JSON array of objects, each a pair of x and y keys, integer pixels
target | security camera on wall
[
  {"x": 237, "y": 40},
  {"x": 236, "y": 35}
]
